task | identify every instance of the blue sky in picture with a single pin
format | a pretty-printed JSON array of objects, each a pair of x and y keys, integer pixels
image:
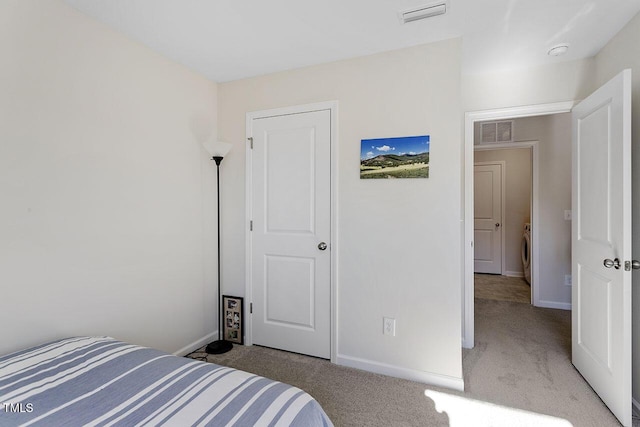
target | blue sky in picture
[{"x": 370, "y": 148}]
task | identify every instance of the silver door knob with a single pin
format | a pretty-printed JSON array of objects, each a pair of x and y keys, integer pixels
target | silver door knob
[
  {"x": 635, "y": 264},
  {"x": 612, "y": 263},
  {"x": 497, "y": 224},
  {"x": 322, "y": 246}
]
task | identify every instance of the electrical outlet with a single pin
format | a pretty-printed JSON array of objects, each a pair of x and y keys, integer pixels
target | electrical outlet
[
  {"x": 567, "y": 280},
  {"x": 568, "y": 216},
  {"x": 389, "y": 326}
]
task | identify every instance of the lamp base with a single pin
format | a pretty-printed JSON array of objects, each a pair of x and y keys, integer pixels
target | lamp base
[{"x": 219, "y": 347}]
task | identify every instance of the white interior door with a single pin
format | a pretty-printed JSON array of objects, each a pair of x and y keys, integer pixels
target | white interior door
[
  {"x": 601, "y": 192},
  {"x": 487, "y": 182},
  {"x": 290, "y": 255}
]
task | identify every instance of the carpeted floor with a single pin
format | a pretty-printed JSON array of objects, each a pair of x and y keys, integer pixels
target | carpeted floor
[
  {"x": 519, "y": 371},
  {"x": 501, "y": 288}
]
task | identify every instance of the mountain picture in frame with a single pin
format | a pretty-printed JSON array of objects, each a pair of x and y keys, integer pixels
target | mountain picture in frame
[{"x": 402, "y": 157}]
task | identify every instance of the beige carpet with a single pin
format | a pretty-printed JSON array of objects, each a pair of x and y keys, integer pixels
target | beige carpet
[
  {"x": 519, "y": 370},
  {"x": 501, "y": 288}
]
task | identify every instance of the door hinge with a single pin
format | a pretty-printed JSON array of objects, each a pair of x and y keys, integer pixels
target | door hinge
[
  {"x": 250, "y": 308},
  {"x": 251, "y": 225},
  {"x": 251, "y": 141}
]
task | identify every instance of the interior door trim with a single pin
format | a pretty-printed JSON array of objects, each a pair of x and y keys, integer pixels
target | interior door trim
[{"x": 332, "y": 106}]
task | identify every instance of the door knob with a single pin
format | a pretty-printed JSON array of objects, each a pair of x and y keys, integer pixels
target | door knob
[
  {"x": 612, "y": 263},
  {"x": 628, "y": 265},
  {"x": 322, "y": 246},
  {"x": 497, "y": 224}
]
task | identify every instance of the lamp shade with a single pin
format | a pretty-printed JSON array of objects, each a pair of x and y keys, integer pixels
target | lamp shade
[{"x": 217, "y": 148}]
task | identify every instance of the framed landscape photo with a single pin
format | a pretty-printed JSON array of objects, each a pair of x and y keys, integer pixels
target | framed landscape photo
[
  {"x": 402, "y": 157},
  {"x": 233, "y": 329}
]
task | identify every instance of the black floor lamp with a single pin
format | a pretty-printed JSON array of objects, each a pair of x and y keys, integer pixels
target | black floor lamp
[{"x": 218, "y": 150}]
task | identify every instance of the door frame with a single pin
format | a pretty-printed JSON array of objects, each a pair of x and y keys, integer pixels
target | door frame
[
  {"x": 468, "y": 323},
  {"x": 503, "y": 196},
  {"x": 332, "y": 106}
]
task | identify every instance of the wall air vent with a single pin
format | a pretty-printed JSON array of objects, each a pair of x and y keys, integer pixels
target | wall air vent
[
  {"x": 496, "y": 132},
  {"x": 422, "y": 12}
]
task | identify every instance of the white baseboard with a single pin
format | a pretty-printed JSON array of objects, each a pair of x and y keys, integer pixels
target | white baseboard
[
  {"x": 196, "y": 344},
  {"x": 407, "y": 374},
  {"x": 636, "y": 407},
  {"x": 554, "y": 304},
  {"x": 514, "y": 273}
]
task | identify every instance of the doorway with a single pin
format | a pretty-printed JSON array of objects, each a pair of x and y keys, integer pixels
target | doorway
[
  {"x": 509, "y": 229},
  {"x": 601, "y": 339},
  {"x": 521, "y": 188},
  {"x": 470, "y": 120}
]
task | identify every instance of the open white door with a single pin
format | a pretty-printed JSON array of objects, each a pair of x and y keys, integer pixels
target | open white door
[{"x": 601, "y": 243}]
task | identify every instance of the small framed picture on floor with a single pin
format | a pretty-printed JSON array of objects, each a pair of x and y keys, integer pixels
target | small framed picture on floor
[{"x": 233, "y": 328}]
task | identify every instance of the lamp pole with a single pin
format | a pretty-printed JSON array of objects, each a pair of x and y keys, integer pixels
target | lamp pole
[{"x": 220, "y": 345}]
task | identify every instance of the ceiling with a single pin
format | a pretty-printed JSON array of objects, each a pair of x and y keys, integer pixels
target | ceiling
[{"x": 232, "y": 39}]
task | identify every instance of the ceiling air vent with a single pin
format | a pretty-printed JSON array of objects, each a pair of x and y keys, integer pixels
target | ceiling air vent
[
  {"x": 496, "y": 132},
  {"x": 422, "y": 12}
]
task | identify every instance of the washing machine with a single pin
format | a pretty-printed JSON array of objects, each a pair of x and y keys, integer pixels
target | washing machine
[{"x": 526, "y": 252}]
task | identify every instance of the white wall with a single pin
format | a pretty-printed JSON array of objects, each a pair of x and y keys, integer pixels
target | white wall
[
  {"x": 104, "y": 227},
  {"x": 399, "y": 240},
  {"x": 623, "y": 51},
  {"x": 562, "y": 81},
  {"x": 554, "y": 136},
  {"x": 517, "y": 195}
]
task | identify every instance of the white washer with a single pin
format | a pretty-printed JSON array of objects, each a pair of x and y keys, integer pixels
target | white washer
[{"x": 526, "y": 252}]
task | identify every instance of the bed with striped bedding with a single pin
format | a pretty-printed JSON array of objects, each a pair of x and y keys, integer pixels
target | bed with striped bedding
[{"x": 99, "y": 381}]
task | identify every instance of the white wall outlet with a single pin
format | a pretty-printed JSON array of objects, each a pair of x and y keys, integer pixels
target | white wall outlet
[
  {"x": 389, "y": 326},
  {"x": 567, "y": 280},
  {"x": 567, "y": 216}
]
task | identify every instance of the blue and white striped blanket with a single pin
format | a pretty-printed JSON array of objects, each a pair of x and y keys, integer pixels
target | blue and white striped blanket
[{"x": 98, "y": 381}]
